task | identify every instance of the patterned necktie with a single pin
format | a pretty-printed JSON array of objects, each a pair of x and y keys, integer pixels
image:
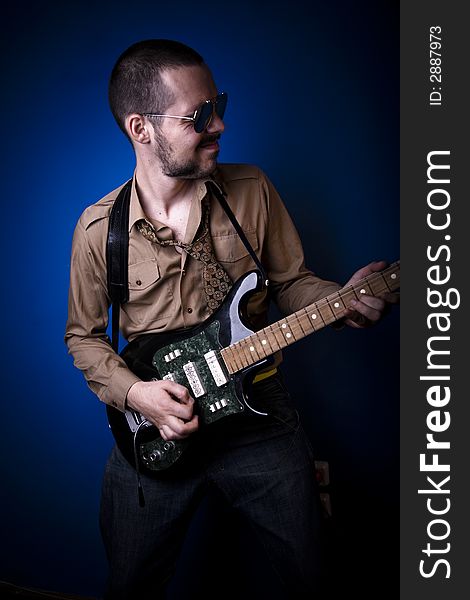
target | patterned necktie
[{"x": 216, "y": 282}]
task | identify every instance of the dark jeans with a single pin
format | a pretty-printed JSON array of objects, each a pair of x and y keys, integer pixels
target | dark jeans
[{"x": 263, "y": 466}]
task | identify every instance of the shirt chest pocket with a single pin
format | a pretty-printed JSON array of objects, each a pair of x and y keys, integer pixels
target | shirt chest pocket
[
  {"x": 150, "y": 298},
  {"x": 230, "y": 248},
  {"x": 142, "y": 275},
  {"x": 230, "y": 251}
]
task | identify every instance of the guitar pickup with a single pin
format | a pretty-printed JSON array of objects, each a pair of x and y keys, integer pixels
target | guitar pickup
[
  {"x": 172, "y": 355},
  {"x": 194, "y": 379},
  {"x": 217, "y": 405},
  {"x": 215, "y": 368}
]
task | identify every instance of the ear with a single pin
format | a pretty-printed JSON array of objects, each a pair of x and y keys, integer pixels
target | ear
[{"x": 138, "y": 129}]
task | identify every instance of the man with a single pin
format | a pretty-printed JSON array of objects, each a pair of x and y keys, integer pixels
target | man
[{"x": 163, "y": 97}]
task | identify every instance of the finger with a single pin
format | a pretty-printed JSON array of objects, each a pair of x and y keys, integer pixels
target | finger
[
  {"x": 171, "y": 407},
  {"x": 369, "y": 312},
  {"x": 381, "y": 303},
  {"x": 192, "y": 425},
  {"x": 377, "y": 265},
  {"x": 176, "y": 429},
  {"x": 371, "y": 301},
  {"x": 356, "y": 324},
  {"x": 177, "y": 390},
  {"x": 182, "y": 411},
  {"x": 165, "y": 431},
  {"x": 372, "y": 267}
]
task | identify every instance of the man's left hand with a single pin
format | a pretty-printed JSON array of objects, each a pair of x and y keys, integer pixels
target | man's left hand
[{"x": 369, "y": 309}]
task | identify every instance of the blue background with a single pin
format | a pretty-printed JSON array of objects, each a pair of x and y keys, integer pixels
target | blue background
[{"x": 313, "y": 100}]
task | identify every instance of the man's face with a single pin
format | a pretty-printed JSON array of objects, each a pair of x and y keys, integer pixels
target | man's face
[{"x": 181, "y": 151}]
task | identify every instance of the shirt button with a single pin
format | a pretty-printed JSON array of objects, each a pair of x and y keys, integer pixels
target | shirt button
[
  {"x": 138, "y": 282},
  {"x": 190, "y": 310},
  {"x": 183, "y": 272}
]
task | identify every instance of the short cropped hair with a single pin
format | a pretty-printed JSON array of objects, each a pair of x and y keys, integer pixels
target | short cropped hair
[{"x": 135, "y": 85}]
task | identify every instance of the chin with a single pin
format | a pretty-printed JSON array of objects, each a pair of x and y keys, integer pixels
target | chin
[{"x": 208, "y": 166}]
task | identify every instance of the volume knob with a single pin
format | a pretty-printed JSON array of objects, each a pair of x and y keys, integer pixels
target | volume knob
[{"x": 155, "y": 456}]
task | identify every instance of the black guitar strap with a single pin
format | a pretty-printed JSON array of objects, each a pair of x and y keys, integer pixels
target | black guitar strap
[
  {"x": 117, "y": 254},
  {"x": 223, "y": 202},
  {"x": 117, "y": 251}
]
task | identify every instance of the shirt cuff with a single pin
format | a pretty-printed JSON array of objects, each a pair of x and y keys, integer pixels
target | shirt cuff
[{"x": 120, "y": 383}]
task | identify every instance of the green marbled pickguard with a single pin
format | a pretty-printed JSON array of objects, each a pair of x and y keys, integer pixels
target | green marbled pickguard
[{"x": 193, "y": 350}]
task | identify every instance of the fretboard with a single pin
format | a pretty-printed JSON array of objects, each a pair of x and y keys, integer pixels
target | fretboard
[{"x": 289, "y": 330}]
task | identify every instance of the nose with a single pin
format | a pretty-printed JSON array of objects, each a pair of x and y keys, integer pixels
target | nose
[{"x": 216, "y": 124}]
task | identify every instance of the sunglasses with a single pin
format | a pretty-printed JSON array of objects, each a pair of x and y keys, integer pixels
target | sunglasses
[{"x": 204, "y": 114}]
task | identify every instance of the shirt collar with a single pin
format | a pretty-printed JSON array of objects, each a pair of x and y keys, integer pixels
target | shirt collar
[{"x": 136, "y": 212}]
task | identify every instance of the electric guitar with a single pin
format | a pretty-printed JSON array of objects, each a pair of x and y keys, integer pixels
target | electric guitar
[{"x": 214, "y": 359}]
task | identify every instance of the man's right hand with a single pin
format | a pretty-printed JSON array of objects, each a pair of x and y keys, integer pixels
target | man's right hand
[{"x": 167, "y": 405}]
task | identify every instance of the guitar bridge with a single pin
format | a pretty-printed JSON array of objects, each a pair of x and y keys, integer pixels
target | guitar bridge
[{"x": 135, "y": 419}]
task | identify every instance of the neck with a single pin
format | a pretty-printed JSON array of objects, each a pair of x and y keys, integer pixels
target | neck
[{"x": 159, "y": 193}]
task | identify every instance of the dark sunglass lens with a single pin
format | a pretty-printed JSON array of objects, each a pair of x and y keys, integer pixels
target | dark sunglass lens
[
  {"x": 221, "y": 104},
  {"x": 205, "y": 111},
  {"x": 203, "y": 116}
]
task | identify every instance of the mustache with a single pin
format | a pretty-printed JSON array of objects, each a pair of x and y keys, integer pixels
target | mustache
[{"x": 209, "y": 139}]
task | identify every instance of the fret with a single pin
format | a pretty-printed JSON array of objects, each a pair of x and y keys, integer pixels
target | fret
[
  {"x": 362, "y": 288},
  {"x": 391, "y": 279},
  {"x": 325, "y": 311},
  {"x": 314, "y": 318},
  {"x": 296, "y": 326},
  {"x": 277, "y": 335},
  {"x": 263, "y": 342},
  {"x": 297, "y": 329},
  {"x": 376, "y": 284},
  {"x": 356, "y": 293},
  {"x": 319, "y": 320},
  {"x": 256, "y": 342},
  {"x": 232, "y": 357},
  {"x": 238, "y": 358},
  {"x": 225, "y": 355},
  {"x": 304, "y": 319},
  {"x": 384, "y": 279},
  {"x": 242, "y": 356},
  {"x": 272, "y": 338},
  {"x": 347, "y": 296},
  {"x": 336, "y": 305},
  {"x": 252, "y": 349},
  {"x": 249, "y": 357},
  {"x": 286, "y": 332},
  {"x": 266, "y": 338}
]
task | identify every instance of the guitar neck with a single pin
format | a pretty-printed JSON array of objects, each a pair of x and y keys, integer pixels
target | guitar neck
[{"x": 283, "y": 333}]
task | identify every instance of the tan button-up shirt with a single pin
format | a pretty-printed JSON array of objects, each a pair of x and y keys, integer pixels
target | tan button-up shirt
[{"x": 165, "y": 286}]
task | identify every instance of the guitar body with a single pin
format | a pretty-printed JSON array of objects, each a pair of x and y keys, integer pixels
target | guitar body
[
  {"x": 189, "y": 357},
  {"x": 215, "y": 359}
]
